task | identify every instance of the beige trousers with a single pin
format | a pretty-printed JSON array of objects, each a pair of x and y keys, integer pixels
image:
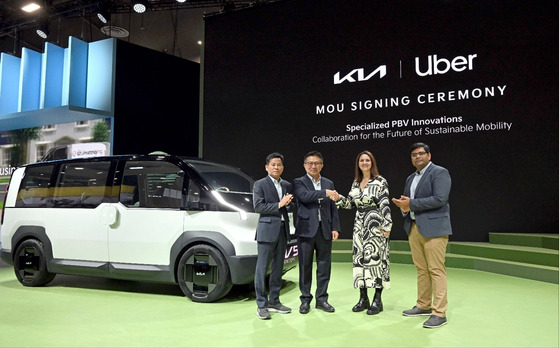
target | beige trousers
[{"x": 428, "y": 256}]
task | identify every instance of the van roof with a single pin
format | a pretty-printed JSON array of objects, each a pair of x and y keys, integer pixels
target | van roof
[{"x": 153, "y": 155}]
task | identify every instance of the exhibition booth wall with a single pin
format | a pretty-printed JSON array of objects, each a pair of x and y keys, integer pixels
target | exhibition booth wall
[
  {"x": 149, "y": 100},
  {"x": 157, "y": 99},
  {"x": 81, "y": 75},
  {"x": 56, "y": 99}
]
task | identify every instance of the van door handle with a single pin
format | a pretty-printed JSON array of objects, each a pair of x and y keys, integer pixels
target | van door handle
[{"x": 109, "y": 215}]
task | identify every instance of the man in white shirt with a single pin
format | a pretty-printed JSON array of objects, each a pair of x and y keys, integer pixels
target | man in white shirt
[
  {"x": 271, "y": 195},
  {"x": 317, "y": 226}
]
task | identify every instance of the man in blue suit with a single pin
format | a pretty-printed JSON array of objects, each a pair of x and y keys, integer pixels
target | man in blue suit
[
  {"x": 427, "y": 222},
  {"x": 317, "y": 226},
  {"x": 271, "y": 196}
]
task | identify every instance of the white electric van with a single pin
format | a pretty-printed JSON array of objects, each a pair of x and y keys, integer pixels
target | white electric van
[{"x": 154, "y": 218}]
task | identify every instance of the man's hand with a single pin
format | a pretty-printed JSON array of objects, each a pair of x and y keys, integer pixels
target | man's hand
[
  {"x": 333, "y": 195},
  {"x": 335, "y": 235},
  {"x": 286, "y": 199},
  {"x": 403, "y": 203}
]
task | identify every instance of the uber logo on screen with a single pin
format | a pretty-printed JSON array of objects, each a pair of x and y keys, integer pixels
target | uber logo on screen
[{"x": 439, "y": 66}]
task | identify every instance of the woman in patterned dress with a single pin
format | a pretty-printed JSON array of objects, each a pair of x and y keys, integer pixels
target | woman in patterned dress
[{"x": 371, "y": 229}]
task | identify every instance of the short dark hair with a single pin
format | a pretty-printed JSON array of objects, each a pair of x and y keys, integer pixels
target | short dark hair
[
  {"x": 418, "y": 145},
  {"x": 274, "y": 155},
  {"x": 313, "y": 153}
]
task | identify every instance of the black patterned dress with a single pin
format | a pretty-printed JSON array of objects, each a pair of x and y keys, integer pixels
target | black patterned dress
[{"x": 371, "y": 264}]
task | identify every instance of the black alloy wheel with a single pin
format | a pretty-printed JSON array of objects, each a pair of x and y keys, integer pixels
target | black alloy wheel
[
  {"x": 30, "y": 264},
  {"x": 203, "y": 274}
]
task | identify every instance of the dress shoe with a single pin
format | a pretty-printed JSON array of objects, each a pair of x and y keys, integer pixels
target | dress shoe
[
  {"x": 304, "y": 308},
  {"x": 325, "y": 306},
  {"x": 434, "y": 321},
  {"x": 416, "y": 311}
]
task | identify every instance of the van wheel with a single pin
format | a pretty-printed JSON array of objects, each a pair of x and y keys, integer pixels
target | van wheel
[
  {"x": 30, "y": 264},
  {"x": 203, "y": 274}
]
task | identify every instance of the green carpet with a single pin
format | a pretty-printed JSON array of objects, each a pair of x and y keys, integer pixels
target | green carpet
[{"x": 485, "y": 310}]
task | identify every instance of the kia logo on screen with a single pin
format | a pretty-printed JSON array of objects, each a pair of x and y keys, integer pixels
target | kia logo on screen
[{"x": 358, "y": 75}]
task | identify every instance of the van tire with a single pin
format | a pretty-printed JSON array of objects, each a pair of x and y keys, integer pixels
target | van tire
[
  {"x": 30, "y": 264},
  {"x": 203, "y": 274}
]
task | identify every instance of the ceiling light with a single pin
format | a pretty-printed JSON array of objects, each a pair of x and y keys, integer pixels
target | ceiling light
[
  {"x": 43, "y": 30},
  {"x": 181, "y": 1},
  {"x": 104, "y": 15},
  {"x": 140, "y": 6},
  {"x": 31, "y": 7}
]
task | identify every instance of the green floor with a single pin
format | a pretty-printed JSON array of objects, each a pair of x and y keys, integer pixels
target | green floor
[{"x": 485, "y": 310}]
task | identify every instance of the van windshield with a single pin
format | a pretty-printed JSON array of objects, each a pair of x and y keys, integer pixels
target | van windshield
[{"x": 223, "y": 178}]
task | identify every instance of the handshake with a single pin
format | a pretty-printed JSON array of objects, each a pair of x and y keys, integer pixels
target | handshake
[{"x": 333, "y": 195}]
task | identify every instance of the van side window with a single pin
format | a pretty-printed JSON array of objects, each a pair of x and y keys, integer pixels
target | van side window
[
  {"x": 152, "y": 184},
  {"x": 35, "y": 191},
  {"x": 198, "y": 199},
  {"x": 82, "y": 185}
]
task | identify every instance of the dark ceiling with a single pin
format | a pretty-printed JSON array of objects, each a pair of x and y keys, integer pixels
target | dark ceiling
[{"x": 167, "y": 26}]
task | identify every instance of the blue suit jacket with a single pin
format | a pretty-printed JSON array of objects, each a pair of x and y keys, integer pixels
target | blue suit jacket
[
  {"x": 308, "y": 205},
  {"x": 266, "y": 203},
  {"x": 430, "y": 203}
]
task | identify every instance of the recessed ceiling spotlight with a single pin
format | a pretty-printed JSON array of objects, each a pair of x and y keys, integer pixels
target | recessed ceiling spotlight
[
  {"x": 140, "y": 6},
  {"x": 43, "y": 29},
  {"x": 104, "y": 16},
  {"x": 31, "y": 7}
]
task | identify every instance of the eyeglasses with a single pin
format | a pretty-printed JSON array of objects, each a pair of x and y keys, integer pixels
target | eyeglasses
[
  {"x": 421, "y": 153},
  {"x": 311, "y": 164}
]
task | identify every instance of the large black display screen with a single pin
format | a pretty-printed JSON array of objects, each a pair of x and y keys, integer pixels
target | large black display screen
[{"x": 476, "y": 80}]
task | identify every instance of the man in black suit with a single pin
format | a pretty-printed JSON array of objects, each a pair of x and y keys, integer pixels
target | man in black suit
[
  {"x": 317, "y": 226},
  {"x": 271, "y": 196}
]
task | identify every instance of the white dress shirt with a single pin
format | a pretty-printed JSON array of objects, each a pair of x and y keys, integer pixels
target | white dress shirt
[{"x": 413, "y": 187}]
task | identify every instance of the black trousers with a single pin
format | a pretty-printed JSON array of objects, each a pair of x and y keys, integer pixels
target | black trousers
[
  {"x": 273, "y": 253},
  {"x": 307, "y": 248}
]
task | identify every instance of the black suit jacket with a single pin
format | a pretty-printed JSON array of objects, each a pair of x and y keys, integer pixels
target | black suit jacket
[
  {"x": 309, "y": 202},
  {"x": 266, "y": 203}
]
